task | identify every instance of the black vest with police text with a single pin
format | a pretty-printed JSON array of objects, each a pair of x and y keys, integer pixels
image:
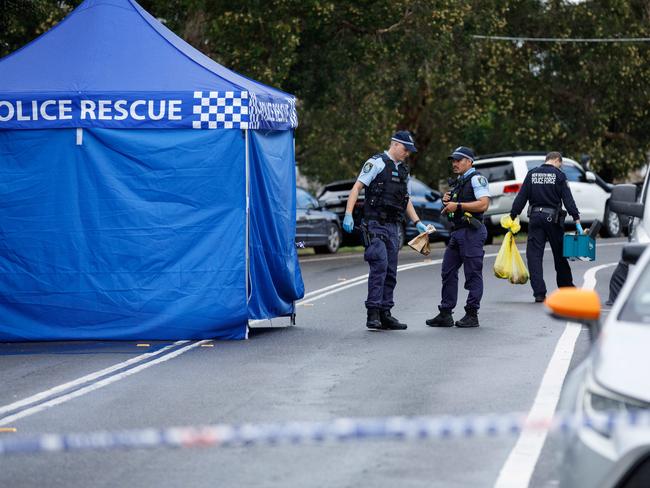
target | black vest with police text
[
  {"x": 387, "y": 195},
  {"x": 464, "y": 192}
]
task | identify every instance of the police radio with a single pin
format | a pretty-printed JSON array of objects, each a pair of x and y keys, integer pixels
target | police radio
[{"x": 453, "y": 183}]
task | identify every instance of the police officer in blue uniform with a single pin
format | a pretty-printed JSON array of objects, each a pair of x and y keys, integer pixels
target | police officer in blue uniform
[
  {"x": 464, "y": 205},
  {"x": 546, "y": 188},
  {"x": 385, "y": 179}
]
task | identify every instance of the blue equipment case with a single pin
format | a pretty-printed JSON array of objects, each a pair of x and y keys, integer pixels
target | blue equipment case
[{"x": 579, "y": 246}]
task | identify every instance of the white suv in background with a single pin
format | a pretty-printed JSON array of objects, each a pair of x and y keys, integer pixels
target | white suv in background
[{"x": 505, "y": 173}]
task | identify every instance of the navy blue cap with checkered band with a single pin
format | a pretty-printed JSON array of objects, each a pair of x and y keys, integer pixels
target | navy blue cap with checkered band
[
  {"x": 405, "y": 137},
  {"x": 462, "y": 152}
]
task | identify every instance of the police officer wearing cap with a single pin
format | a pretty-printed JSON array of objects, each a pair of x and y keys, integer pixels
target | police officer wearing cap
[
  {"x": 546, "y": 188},
  {"x": 464, "y": 205},
  {"x": 385, "y": 179}
]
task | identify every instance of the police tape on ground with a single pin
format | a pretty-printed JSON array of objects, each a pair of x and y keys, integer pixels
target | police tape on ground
[{"x": 337, "y": 430}]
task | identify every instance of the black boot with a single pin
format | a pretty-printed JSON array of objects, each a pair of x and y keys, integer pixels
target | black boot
[
  {"x": 470, "y": 319},
  {"x": 390, "y": 322},
  {"x": 373, "y": 321},
  {"x": 443, "y": 319}
]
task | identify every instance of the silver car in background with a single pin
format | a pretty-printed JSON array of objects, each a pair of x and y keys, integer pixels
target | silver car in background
[{"x": 613, "y": 382}]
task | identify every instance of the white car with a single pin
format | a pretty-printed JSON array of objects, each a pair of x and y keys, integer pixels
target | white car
[
  {"x": 505, "y": 173},
  {"x": 609, "y": 387}
]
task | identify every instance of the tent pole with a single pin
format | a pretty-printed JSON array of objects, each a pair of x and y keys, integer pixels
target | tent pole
[{"x": 247, "y": 218}]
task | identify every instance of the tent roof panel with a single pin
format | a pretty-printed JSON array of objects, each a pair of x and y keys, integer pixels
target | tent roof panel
[
  {"x": 115, "y": 45},
  {"x": 114, "y": 49}
]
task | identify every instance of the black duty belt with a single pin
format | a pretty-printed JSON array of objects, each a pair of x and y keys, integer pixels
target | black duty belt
[
  {"x": 386, "y": 220},
  {"x": 542, "y": 209}
]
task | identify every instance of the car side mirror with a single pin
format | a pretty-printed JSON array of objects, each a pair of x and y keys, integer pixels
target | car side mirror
[
  {"x": 590, "y": 176},
  {"x": 576, "y": 305},
  {"x": 632, "y": 252},
  {"x": 623, "y": 201}
]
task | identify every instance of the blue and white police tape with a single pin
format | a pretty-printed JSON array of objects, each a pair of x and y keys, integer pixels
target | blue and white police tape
[{"x": 338, "y": 430}]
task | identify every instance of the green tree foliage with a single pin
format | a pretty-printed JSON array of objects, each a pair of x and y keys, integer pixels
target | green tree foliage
[
  {"x": 366, "y": 68},
  {"x": 23, "y": 20}
]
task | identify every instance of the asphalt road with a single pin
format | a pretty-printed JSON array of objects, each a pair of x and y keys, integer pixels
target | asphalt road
[{"x": 326, "y": 366}]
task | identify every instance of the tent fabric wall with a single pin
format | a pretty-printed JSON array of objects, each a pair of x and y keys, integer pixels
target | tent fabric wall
[
  {"x": 140, "y": 232},
  {"x": 276, "y": 281},
  {"x": 135, "y": 234}
]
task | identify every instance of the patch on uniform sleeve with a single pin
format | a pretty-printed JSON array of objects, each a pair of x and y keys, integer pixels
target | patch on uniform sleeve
[
  {"x": 367, "y": 167},
  {"x": 482, "y": 180}
]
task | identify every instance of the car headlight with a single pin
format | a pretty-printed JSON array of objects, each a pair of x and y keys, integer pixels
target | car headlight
[{"x": 603, "y": 408}]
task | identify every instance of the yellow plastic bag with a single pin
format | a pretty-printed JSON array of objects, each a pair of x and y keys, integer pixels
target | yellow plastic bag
[
  {"x": 509, "y": 265},
  {"x": 519, "y": 275},
  {"x": 512, "y": 225},
  {"x": 503, "y": 262}
]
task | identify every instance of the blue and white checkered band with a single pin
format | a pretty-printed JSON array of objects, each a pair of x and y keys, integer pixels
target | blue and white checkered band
[
  {"x": 293, "y": 114},
  {"x": 255, "y": 115},
  {"x": 268, "y": 114},
  {"x": 221, "y": 110}
]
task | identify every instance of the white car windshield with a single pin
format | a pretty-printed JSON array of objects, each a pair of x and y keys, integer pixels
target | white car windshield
[{"x": 497, "y": 171}]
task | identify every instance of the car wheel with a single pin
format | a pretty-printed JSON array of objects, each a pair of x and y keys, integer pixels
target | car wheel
[
  {"x": 334, "y": 238},
  {"x": 611, "y": 224}
]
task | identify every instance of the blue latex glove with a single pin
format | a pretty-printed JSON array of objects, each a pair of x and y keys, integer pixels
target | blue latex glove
[
  {"x": 579, "y": 228},
  {"x": 421, "y": 227},
  {"x": 348, "y": 223}
]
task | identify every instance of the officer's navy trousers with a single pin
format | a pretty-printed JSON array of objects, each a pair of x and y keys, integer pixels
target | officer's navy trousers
[
  {"x": 381, "y": 256},
  {"x": 541, "y": 230},
  {"x": 465, "y": 248}
]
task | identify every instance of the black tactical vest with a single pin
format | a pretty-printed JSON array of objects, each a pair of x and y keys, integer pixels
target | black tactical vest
[
  {"x": 464, "y": 192},
  {"x": 387, "y": 195}
]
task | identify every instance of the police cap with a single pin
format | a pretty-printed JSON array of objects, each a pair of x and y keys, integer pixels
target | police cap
[
  {"x": 405, "y": 137},
  {"x": 462, "y": 152}
]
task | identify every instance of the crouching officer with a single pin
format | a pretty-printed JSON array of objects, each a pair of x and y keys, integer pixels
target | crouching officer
[
  {"x": 385, "y": 177},
  {"x": 546, "y": 188},
  {"x": 464, "y": 205}
]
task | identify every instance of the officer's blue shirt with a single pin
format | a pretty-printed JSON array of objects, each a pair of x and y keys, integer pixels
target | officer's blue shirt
[
  {"x": 479, "y": 184},
  {"x": 373, "y": 167}
]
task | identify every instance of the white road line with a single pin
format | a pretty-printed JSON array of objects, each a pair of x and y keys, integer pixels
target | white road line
[
  {"x": 519, "y": 467},
  {"x": 359, "y": 280},
  {"x": 99, "y": 384},
  {"x": 84, "y": 379},
  {"x": 332, "y": 258}
]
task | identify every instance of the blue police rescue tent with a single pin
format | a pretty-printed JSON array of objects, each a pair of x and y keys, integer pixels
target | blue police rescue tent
[{"x": 146, "y": 192}]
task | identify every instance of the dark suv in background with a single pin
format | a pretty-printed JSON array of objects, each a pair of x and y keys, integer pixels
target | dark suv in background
[
  {"x": 315, "y": 226},
  {"x": 426, "y": 201}
]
